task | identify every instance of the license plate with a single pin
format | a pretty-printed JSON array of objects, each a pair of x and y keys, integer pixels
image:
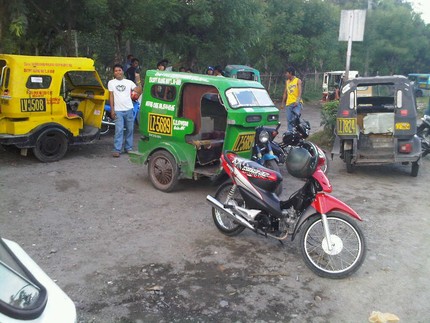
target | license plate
[
  {"x": 33, "y": 105},
  {"x": 160, "y": 124},
  {"x": 403, "y": 126},
  {"x": 244, "y": 142},
  {"x": 346, "y": 126}
]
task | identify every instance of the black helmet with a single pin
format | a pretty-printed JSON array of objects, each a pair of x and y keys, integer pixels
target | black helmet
[
  {"x": 304, "y": 128},
  {"x": 302, "y": 161},
  {"x": 291, "y": 138}
]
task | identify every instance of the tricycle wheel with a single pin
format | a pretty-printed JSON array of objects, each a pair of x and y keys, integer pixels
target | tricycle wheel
[
  {"x": 163, "y": 171},
  {"x": 51, "y": 145},
  {"x": 415, "y": 168},
  {"x": 348, "y": 161}
]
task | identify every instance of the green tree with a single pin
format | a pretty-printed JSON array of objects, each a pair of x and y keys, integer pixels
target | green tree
[
  {"x": 13, "y": 23},
  {"x": 268, "y": 34},
  {"x": 394, "y": 41},
  {"x": 203, "y": 32}
]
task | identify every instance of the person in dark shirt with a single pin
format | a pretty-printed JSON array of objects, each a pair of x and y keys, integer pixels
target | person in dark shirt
[
  {"x": 128, "y": 62},
  {"x": 133, "y": 70},
  {"x": 162, "y": 65}
]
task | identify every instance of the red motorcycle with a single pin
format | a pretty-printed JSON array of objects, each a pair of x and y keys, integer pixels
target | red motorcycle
[{"x": 331, "y": 243}]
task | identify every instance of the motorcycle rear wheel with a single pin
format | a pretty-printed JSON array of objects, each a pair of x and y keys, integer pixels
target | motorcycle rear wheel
[
  {"x": 348, "y": 251},
  {"x": 222, "y": 221},
  {"x": 105, "y": 128}
]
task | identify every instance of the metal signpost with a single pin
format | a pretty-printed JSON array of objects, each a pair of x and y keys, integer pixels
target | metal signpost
[{"x": 351, "y": 29}]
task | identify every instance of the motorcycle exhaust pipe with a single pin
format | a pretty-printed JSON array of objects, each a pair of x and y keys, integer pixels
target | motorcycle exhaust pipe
[
  {"x": 216, "y": 204},
  {"x": 108, "y": 123}
]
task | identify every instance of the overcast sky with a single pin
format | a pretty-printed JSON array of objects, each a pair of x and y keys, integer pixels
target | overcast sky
[{"x": 422, "y": 6}]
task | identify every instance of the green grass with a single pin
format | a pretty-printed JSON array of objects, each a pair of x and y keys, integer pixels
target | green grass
[{"x": 323, "y": 139}]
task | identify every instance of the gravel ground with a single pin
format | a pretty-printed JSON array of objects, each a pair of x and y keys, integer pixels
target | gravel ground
[{"x": 125, "y": 252}]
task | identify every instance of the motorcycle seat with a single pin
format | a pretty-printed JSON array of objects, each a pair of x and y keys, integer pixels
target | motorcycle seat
[{"x": 75, "y": 114}]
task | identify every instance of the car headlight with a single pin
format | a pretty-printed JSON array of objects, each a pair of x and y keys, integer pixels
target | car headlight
[{"x": 263, "y": 137}]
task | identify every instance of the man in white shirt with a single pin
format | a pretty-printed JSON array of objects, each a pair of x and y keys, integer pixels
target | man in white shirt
[{"x": 122, "y": 108}]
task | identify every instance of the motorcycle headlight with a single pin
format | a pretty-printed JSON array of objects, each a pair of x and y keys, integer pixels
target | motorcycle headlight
[{"x": 263, "y": 137}]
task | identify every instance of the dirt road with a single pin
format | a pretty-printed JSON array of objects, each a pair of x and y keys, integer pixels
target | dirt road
[{"x": 125, "y": 252}]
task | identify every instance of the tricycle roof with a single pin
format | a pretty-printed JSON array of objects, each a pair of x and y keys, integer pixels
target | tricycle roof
[
  {"x": 234, "y": 67},
  {"x": 179, "y": 78},
  {"x": 394, "y": 79},
  {"x": 48, "y": 62}
]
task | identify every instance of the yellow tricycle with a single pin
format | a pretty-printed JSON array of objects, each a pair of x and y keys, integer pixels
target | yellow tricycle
[{"x": 49, "y": 103}]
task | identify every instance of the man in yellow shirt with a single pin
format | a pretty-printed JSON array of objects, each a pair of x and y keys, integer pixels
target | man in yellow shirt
[{"x": 292, "y": 98}]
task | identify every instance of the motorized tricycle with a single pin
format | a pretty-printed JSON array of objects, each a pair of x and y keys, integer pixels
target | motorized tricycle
[
  {"x": 377, "y": 123},
  {"x": 242, "y": 72},
  {"x": 188, "y": 120},
  {"x": 49, "y": 103}
]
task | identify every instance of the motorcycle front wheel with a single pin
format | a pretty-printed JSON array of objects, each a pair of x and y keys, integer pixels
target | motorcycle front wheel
[
  {"x": 347, "y": 250},
  {"x": 222, "y": 221}
]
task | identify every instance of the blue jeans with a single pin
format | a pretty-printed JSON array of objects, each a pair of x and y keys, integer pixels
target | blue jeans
[
  {"x": 123, "y": 119},
  {"x": 290, "y": 115}
]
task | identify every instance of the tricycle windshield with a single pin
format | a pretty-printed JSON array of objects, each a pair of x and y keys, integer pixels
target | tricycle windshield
[
  {"x": 83, "y": 78},
  {"x": 248, "y": 97},
  {"x": 376, "y": 90}
]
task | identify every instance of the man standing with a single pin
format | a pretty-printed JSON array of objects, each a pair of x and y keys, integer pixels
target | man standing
[
  {"x": 130, "y": 73},
  {"x": 292, "y": 98},
  {"x": 122, "y": 108}
]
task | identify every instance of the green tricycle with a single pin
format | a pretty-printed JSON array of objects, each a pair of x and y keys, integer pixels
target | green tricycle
[
  {"x": 242, "y": 72},
  {"x": 187, "y": 120}
]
